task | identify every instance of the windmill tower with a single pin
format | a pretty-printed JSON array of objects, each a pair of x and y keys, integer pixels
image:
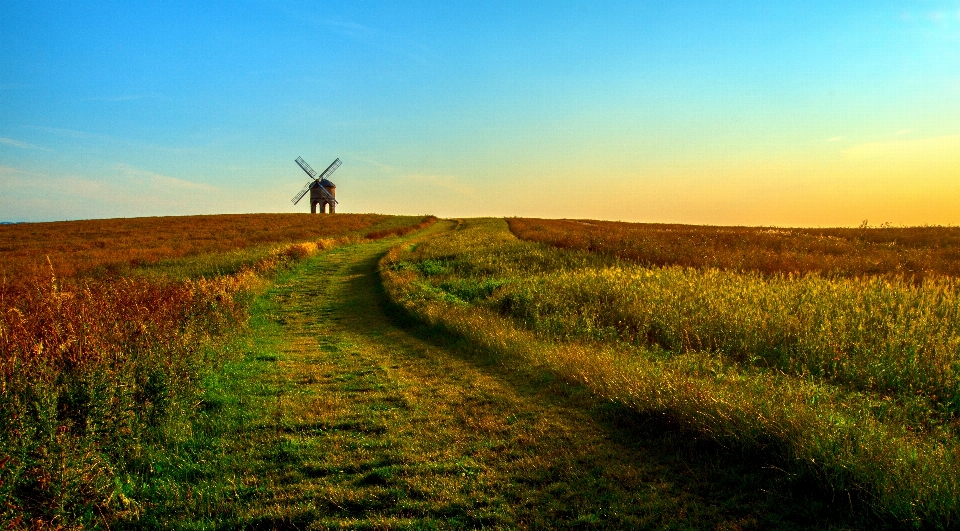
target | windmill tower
[{"x": 322, "y": 191}]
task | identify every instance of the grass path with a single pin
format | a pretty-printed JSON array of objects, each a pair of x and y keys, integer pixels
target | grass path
[{"x": 357, "y": 418}]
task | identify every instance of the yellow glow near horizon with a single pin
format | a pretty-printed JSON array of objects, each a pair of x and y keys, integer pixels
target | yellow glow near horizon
[
  {"x": 902, "y": 182},
  {"x": 775, "y": 113}
]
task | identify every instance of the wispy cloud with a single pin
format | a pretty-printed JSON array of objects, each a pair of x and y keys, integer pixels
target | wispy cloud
[
  {"x": 159, "y": 181},
  {"x": 340, "y": 25},
  {"x": 930, "y": 150},
  {"x": 17, "y": 143},
  {"x": 129, "y": 97},
  {"x": 835, "y": 138},
  {"x": 371, "y": 36},
  {"x": 942, "y": 21},
  {"x": 73, "y": 133},
  {"x": 348, "y": 27},
  {"x": 120, "y": 190},
  {"x": 447, "y": 182},
  {"x": 7, "y": 171},
  {"x": 384, "y": 168},
  {"x": 22, "y": 184},
  {"x": 91, "y": 137}
]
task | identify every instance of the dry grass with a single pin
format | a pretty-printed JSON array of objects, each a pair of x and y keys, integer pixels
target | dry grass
[
  {"x": 353, "y": 420},
  {"x": 912, "y": 252},
  {"x": 892, "y": 339},
  {"x": 852, "y": 381},
  {"x": 98, "y": 370},
  {"x": 71, "y": 247}
]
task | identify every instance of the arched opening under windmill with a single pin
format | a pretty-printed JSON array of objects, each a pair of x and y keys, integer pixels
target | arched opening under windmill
[{"x": 323, "y": 205}]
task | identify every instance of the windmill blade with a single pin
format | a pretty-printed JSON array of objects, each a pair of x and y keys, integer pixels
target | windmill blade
[
  {"x": 330, "y": 169},
  {"x": 296, "y": 199},
  {"x": 306, "y": 167},
  {"x": 327, "y": 194}
]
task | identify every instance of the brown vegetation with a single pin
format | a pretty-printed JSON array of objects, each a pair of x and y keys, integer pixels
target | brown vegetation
[
  {"x": 80, "y": 246},
  {"x": 912, "y": 252},
  {"x": 97, "y": 369}
]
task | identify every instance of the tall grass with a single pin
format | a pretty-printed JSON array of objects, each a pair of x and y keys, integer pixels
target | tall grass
[
  {"x": 92, "y": 375},
  {"x": 887, "y": 337},
  {"x": 853, "y": 381},
  {"x": 100, "y": 372}
]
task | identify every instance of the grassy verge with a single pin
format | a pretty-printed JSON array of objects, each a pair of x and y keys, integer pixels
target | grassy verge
[{"x": 853, "y": 440}]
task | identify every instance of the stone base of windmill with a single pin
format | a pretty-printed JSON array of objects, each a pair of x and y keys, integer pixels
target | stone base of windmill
[
  {"x": 323, "y": 207},
  {"x": 323, "y": 193}
]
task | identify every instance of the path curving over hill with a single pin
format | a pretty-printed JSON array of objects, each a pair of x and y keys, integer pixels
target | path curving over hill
[{"x": 358, "y": 417}]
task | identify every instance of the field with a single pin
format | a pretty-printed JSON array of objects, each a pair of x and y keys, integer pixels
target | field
[
  {"x": 912, "y": 252},
  {"x": 106, "y": 331},
  {"x": 849, "y": 378},
  {"x": 98, "y": 247},
  {"x": 365, "y": 371}
]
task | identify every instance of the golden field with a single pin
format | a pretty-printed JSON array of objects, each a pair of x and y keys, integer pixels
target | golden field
[
  {"x": 842, "y": 371},
  {"x": 911, "y": 252},
  {"x": 82, "y": 246}
]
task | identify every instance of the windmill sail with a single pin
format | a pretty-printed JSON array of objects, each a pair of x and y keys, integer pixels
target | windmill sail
[
  {"x": 306, "y": 167},
  {"x": 330, "y": 169},
  {"x": 327, "y": 173},
  {"x": 296, "y": 199},
  {"x": 317, "y": 180}
]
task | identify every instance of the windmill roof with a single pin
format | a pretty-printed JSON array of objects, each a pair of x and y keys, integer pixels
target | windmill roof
[{"x": 327, "y": 183}]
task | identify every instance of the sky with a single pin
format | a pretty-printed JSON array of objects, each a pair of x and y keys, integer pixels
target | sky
[{"x": 787, "y": 113}]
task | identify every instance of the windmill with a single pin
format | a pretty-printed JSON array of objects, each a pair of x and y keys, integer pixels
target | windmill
[{"x": 322, "y": 191}]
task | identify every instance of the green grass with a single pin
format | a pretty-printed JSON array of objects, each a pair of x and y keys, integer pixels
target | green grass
[
  {"x": 101, "y": 374},
  {"x": 346, "y": 414},
  {"x": 460, "y": 378},
  {"x": 849, "y": 381}
]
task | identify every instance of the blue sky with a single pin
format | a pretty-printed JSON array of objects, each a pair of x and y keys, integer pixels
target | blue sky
[{"x": 761, "y": 113}]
